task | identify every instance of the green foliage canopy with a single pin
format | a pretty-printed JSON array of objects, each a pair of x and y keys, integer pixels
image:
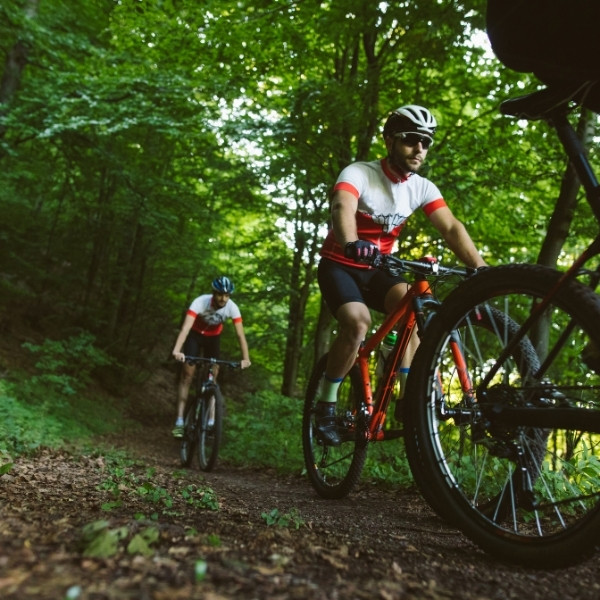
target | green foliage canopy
[{"x": 148, "y": 146}]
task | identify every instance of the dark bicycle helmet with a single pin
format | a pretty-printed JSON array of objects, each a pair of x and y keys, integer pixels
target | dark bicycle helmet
[
  {"x": 410, "y": 118},
  {"x": 223, "y": 285}
]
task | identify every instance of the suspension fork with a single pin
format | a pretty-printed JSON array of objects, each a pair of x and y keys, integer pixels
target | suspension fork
[{"x": 461, "y": 364}]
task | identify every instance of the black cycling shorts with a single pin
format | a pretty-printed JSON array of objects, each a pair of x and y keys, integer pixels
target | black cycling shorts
[
  {"x": 208, "y": 346},
  {"x": 341, "y": 284}
]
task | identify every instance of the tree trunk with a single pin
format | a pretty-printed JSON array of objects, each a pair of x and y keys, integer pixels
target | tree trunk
[
  {"x": 299, "y": 293},
  {"x": 560, "y": 222},
  {"x": 294, "y": 339},
  {"x": 16, "y": 59},
  {"x": 123, "y": 275}
]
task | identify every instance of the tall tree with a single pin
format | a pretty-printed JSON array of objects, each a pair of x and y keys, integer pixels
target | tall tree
[{"x": 148, "y": 146}]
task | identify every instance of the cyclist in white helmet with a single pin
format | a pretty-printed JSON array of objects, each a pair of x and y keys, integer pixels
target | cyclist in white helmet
[
  {"x": 370, "y": 204},
  {"x": 200, "y": 335}
]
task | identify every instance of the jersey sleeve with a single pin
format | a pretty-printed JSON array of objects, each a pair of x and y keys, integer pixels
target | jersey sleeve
[
  {"x": 431, "y": 197},
  {"x": 197, "y": 306},
  {"x": 234, "y": 312},
  {"x": 352, "y": 179}
]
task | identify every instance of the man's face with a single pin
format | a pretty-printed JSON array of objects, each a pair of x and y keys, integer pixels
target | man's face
[
  {"x": 219, "y": 299},
  {"x": 407, "y": 155}
]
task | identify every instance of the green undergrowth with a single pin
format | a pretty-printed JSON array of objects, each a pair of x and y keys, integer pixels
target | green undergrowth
[
  {"x": 265, "y": 431},
  {"x": 56, "y": 405},
  {"x": 51, "y": 419}
]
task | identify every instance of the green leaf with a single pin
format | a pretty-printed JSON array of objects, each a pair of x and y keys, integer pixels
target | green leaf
[
  {"x": 200, "y": 569},
  {"x": 5, "y": 468},
  {"x": 100, "y": 541},
  {"x": 140, "y": 543}
]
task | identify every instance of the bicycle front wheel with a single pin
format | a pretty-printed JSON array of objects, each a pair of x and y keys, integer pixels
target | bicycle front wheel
[
  {"x": 189, "y": 439},
  {"x": 510, "y": 453},
  {"x": 335, "y": 470},
  {"x": 210, "y": 428}
]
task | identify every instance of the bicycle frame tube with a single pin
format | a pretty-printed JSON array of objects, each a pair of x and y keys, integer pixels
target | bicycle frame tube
[
  {"x": 577, "y": 154},
  {"x": 404, "y": 319}
]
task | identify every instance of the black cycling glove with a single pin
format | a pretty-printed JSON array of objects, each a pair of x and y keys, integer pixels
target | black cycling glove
[{"x": 361, "y": 250}]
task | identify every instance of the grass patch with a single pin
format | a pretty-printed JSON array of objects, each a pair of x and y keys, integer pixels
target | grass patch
[
  {"x": 264, "y": 430},
  {"x": 29, "y": 422},
  {"x": 54, "y": 406}
]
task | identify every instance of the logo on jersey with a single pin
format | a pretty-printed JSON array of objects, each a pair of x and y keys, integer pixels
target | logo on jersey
[
  {"x": 212, "y": 318},
  {"x": 389, "y": 222}
]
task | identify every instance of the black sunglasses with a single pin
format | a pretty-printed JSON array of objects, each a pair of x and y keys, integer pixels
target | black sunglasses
[{"x": 412, "y": 139}]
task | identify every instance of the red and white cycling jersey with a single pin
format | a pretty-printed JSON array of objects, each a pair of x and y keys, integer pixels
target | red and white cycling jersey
[
  {"x": 209, "y": 320},
  {"x": 384, "y": 204}
]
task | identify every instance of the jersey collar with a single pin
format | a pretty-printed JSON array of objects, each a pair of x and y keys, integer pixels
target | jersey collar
[
  {"x": 213, "y": 305},
  {"x": 390, "y": 174}
]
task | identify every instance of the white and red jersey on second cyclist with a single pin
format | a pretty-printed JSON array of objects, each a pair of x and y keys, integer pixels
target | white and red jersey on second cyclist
[
  {"x": 384, "y": 204},
  {"x": 209, "y": 319}
]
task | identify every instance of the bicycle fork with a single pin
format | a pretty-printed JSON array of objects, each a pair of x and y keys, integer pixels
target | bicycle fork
[{"x": 459, "y": 415}]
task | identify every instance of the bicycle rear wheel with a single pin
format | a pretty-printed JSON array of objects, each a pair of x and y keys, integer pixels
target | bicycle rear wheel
[
  {"x": 189, "y": 439},
  {"x": 514, "y": 463},
  {"x": 210, "y": 428},
  {"x": 335, "y": 470}
]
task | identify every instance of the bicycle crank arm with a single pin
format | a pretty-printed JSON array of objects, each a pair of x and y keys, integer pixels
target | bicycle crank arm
[{"x": 389, "y": 434}]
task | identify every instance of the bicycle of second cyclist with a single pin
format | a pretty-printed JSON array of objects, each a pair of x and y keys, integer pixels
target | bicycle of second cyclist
[
  {"x": 361, "y": 413},
  {"x": 204, "y": 414},
  {"x": 515, "y": 461}
]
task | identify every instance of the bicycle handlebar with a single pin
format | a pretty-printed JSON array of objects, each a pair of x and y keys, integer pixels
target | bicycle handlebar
[
  {"x": 194, "y": 360},
  {"x": 424, "y": 266}
]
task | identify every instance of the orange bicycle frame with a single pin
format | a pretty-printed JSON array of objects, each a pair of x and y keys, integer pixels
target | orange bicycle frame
[{"x": 404, "y": 320}]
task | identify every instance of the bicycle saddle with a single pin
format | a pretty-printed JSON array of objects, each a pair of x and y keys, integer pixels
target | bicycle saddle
[{"x": 540, "y": 104}]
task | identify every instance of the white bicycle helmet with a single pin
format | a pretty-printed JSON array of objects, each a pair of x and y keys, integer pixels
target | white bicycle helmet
[
  {"x": 223, "y": 285},
  {"x": 410, "y": 118}
]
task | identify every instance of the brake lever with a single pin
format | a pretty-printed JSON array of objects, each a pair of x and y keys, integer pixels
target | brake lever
[{"x": 377, "y": 261}]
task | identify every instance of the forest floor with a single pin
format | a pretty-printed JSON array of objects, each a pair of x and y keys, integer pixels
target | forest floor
[{"x": 157, "y": 529}]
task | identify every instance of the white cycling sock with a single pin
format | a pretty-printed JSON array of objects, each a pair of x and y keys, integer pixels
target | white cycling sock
[{"x": 328, "y": 389}]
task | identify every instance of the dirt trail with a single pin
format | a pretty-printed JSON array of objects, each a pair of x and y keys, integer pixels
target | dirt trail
[{"x": 375, "y": 544}]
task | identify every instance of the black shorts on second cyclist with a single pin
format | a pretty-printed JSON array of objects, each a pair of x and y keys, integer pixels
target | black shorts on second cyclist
[
  {"x": 341, "y": 284},
  {"x": 208, "y": 346}
]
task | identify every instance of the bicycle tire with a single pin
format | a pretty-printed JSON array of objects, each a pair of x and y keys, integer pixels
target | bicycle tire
[
  {"x": 189, "y": 439},
  {"x": 209, "y": 435},
  {"x": 485, "y": 473},
  {"x": 334, "y": 471}
]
